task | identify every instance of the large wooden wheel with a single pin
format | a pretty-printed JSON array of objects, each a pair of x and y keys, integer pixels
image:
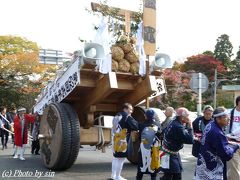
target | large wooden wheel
[
  {"x": 139, "y": 115},
  {"x": 60, "y": 136}
]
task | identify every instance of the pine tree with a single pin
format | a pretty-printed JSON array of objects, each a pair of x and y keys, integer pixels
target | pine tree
[
  {"x": 223, "y": 50},
  {"x": 236, "y": 64},
  {"x": 238, "y": 54}
]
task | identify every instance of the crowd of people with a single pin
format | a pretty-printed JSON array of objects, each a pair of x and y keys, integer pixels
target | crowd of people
[
  {"x": 16, "y": 122},
  {"x": 215, "y": 137}
]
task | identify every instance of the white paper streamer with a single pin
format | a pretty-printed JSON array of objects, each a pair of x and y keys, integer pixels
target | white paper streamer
[
  {"x": 102, "y": 37},
  {"x": 140, "y": 48}
]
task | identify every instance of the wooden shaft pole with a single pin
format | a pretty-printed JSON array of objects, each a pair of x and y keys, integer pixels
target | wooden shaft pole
[{"x": 147, "y": 74}]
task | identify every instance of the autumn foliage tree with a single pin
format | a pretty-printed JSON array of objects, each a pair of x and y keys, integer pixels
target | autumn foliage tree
[
  {"x": 178, "y": 92},
  {"x": 205, "y": 64},
  {"x": 21, "y": 74}
]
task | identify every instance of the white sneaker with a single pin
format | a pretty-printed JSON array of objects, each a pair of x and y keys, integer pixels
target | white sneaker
[
  {"x": 15, "y": 156},
  {"x": 120, "y": 178},
  {"x": 22, "y": 158}
]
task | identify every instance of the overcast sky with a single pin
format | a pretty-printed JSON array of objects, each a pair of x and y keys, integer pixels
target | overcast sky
[{"x": 185, "y": 27}]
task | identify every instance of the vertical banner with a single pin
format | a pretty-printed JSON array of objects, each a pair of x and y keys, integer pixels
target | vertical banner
[{"x": 149, "y": 27}]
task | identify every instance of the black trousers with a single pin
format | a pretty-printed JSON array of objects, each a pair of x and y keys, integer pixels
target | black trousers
[
  {"x": 172, "y": 176},
  {"x": 35, "y": 146},
  {"x": 4, "y": 137},
  {"x": 140, "y": 176},
  {"x": 13, "y": 138}
]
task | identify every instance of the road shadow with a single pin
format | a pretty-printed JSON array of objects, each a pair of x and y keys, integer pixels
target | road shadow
[
  {"x": 32, "y": 162},
  {"x": 97, "y": 167}
]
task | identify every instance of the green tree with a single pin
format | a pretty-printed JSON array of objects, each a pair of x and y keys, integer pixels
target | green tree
[
  {"x": 14, "y": 44},
  {"x": 238, "y": 54},
  {"x": 210, "y": 53},
  {"x": 236, "y": 65},
  {"x": 21, "y": 74},
  {"x": 223, "y": 50},
  {"x": 177, "y": 66},
  {"x": 225, "y": 99}
]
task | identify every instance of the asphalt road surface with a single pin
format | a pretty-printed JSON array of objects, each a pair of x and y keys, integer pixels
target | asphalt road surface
[{"x": 91, "y": 164}]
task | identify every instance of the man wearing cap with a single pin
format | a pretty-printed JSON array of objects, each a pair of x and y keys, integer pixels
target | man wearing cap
[
  {"x": 199, "y": 125},
  {"x": 178, "y": 132},
  {"x": 21, "y": 133},
  {"x": 215, "y": 149},
  {"x": 233, "y": 170}
]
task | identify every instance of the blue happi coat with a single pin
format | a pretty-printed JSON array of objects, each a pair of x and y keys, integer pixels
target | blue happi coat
[
  {"x": 214, "y": 152},
  {"x": 129, "y": 123},
  {"x": 175, "y": 135}
]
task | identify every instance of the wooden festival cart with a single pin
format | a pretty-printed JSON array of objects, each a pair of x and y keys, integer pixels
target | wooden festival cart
[{"x": 73, "y": 106}]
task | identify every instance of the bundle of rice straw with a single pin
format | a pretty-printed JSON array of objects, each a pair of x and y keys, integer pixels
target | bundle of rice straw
[
  {"x": 117, "y": 53},
  {"x": 126, "y": 47},
  {"x": 132, "y": 56},
  {"x": 133, "y": 40},
  {"x": 134, "y": 68},
  {"x": 124, "y": 66},
  {"x": 114, "y": 65},
  {"x": 124, "y": 56}
]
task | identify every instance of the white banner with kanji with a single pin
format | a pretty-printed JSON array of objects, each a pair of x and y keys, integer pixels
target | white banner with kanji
[
  {"x": 161, "y": 88},
  {"x": 60, "y": 88}
]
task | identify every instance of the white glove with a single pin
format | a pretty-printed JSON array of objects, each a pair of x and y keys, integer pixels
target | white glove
[{"x": 155, "y": 128}]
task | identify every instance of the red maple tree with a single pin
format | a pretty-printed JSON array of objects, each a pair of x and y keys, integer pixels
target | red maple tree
[{"x": 205, "y": 64}]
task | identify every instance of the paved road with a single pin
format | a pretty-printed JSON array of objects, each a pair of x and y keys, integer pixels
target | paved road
[{"x": 90, "y": 165}]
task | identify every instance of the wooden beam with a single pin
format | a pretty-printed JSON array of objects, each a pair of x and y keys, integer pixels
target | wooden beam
[
  {"x": 127, "y": 22},
  {"x": 106, "y": 108},
  {"x": 92, "y": 109},
  {"x": 123, "y": 84},
  {"x": 144, "y": 89},
  {"x": 121, "y": 12},
  {"x": 89, "y": 121},
  {"x": 91, "y": 136},
  {"x": 87, "y": 82},
  {"x": 126, "y": 85},
  {"x": 103, "y": 88}
]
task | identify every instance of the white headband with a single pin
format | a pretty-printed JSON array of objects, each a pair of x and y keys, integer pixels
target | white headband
[
  {"x": 21, "y": 109},
  {"x": 221, "y": 114}
]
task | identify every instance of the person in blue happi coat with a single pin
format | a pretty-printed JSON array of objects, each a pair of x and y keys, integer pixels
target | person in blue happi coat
[
  {"x": 215, "y": 149},
  {"x": 178, "y": 132},
  {"x": 199, "y": 125},
  {"x": 121, "y": 137},
  {"x": 149, "y": 132}
]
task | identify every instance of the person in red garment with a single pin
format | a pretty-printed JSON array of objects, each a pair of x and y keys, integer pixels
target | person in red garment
[{"x": 21, "y": 122}]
